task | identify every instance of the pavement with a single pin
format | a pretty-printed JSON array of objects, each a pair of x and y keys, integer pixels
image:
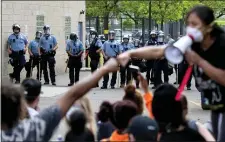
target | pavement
[{"x": 96, "y": 96}]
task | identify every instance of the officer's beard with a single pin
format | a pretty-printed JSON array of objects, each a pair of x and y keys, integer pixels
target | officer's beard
[{"x": 37, "y": 38}]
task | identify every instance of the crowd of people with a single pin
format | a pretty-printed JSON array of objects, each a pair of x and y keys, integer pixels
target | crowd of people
[{"x": 151, "y": 116}]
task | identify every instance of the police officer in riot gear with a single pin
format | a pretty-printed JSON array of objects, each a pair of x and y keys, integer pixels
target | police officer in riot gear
[
  {"x": 34, "y": 52},
  {"x": 137, "y": 62},
  {"x": 94, "y": 51},
  {"x": 48, "y": 46},
  {"x": 74, "y": 50},
  {"x": 151, "y": 63},
  {"x": 161, "y": 65},
  {"x": 110, "y": 49},
  {"x": 125, "y": 72},
  {"x": 17, "y": 46}
]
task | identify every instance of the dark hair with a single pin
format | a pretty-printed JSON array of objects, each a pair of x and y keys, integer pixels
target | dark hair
[
  {"x": 184, "y": 102},
  {"x": 32, "y": 88},
  {"x": 105, "y": 112},
  {"x": 123, "y": 112},
  {"x": 77, "y": 121},
  {"x": 12, "y": 104},
  {"x": 206, "y": 14},
  {"x": 87, "y": 135},
  {"x": 167, "y": 111},
  {"x": 134, "y": 96}
]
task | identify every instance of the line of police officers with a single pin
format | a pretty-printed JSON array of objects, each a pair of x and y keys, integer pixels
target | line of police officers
[
  {"x": 42, "y": 52},
  {"x": 43, "y": 48}
]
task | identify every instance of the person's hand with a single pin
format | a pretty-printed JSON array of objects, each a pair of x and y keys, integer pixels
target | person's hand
[
  {"x": 10, "y": 52},
  {"x": 124, "y": 58},
  {"x": 25, "y": 50},
  {"x": 192, "y": 57},
  {"x": 111, "y": 65},
  {"x": 144, "y": 83}
]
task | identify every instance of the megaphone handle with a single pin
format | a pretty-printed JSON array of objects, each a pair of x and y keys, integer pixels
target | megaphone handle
[{"x": 184, "y": 82}]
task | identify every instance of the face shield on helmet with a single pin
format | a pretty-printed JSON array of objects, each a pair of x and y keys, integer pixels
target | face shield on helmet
[
  {"x": 161, "y": 38},
  {"x": 46, "y": 29},
  {"x": 136, "y": 43},
  {"x": 38, "y": 35},
  {"x": 16, "y": 28},
  {"x": 93, "y": 34},
  {"x": 125, "y": 39},
  {"x": 111, "y": 35}
]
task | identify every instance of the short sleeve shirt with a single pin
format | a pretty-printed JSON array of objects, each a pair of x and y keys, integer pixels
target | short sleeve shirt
[
  {"x": 33, "y": 46},
  {"x": 17, "y": 42},
  {"x": 74, "y": 47},
  {"x": 111, "y": 48},
  {"x": 213, "y": 92},
  {"x": 39, "y": 128},
  {"x": 125, "y": 47},
  {"x": 48, "y": 42}
]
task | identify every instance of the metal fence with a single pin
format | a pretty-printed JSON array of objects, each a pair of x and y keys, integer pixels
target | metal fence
[{"x": 133, "y": 27}]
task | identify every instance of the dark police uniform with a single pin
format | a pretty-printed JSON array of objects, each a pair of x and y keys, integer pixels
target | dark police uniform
[
  {"x": 161, "y": 65},
  {"x": 74, "y": 47},
  {"x": 150, "y": 63},
  {"x": 35, "y": 59},
  {"x": 111, "y": 49},
  {"x": 95, "y": 46},
  {"x": 125, "y": 71},
  {"x": 183, "y": 66},
  {"x": 17, "y": 43},
  {"x": 138, "y": 62},
  {"x": 47, "y": 44}
]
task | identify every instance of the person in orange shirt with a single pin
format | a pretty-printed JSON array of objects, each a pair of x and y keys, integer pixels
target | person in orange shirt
[{"x": 123, "y": 112}]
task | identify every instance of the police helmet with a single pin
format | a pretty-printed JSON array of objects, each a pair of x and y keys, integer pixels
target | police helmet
[
  {"x": 16, "y": 26},
  {"x": 73, "y": 36},
  {"x": 111, "y": 34},
  {"x": 136, "y": 42},
  {"x": 38, "y": 34},
  {"x": 161, "y": 32},
  {"x": 153, "y": 34},
  {"x": 93, "y": 32},
  {"x": 126, "y": 37},
  {"x": 46, "y": 27}
]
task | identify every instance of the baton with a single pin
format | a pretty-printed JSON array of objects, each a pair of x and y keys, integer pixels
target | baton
[
  {"x": 67, "y": 61},
  {"x": 184, "y": 82},
  {"x": 31, "y": 68},
  {"x": 39, "y": 70}
]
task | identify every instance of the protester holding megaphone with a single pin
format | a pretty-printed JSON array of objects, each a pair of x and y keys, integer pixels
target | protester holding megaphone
[{"x": 204, "y": 48}]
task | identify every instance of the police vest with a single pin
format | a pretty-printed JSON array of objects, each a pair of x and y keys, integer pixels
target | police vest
[
  {"x": 151, "y": 42},
  {"x": 92, "y": 50}
]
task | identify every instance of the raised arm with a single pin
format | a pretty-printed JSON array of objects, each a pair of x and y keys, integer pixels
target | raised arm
[
  {"x": 85, "y": 85},
  {"x": 148, "y": 52}
]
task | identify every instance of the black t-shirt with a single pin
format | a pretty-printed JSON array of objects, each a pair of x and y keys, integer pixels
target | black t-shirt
[
  {"x": 185, "y": 135},
  {"x": 213, "y": 93}
]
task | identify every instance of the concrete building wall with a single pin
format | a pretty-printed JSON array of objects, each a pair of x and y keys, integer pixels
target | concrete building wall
[{"x": 54, "y": 12}]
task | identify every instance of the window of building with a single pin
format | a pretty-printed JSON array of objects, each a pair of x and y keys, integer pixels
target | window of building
[
  {"x": 40, "y": 22},
  {"x": 67, "y": 26}
]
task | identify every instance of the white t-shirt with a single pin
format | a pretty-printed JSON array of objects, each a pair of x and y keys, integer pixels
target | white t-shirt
[{"x": 32, "y": 112}]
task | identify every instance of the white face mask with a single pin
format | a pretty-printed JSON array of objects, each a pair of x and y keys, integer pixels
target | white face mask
[
  {"x": 195, "y": 33},
  {"x": 16, "y": 31},
  {"x": 92, "y": 36}
]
